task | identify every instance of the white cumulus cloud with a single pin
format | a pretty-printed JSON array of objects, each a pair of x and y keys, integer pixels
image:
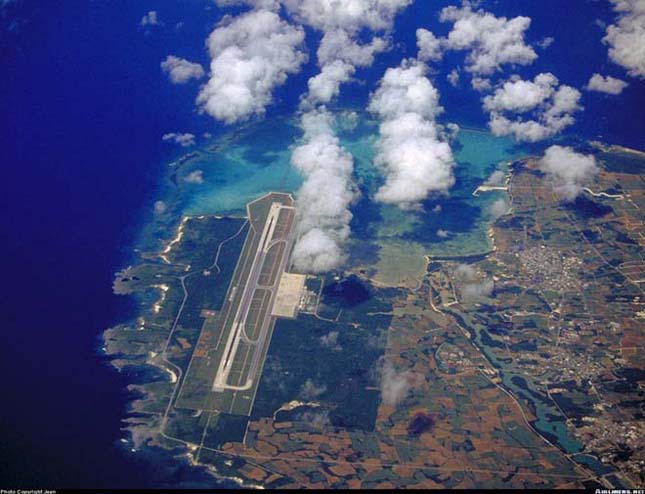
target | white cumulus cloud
[
  {"x": 472, "y": 288},
  {"x": 318, "y": 419},
  {"x": 409, "y": 150},
  {"x": 394, "y": 385},
  {"x": 481, "y": 84},
  {"x": 194, "y": 177},
  {"x": 330, "y": 340},
  {"x": 626, "y": 38},
  {"x": 354, "y": 31},
  {"x": 160, "y": 208},
  {"x": 251, "y": 55},
  {"x": 607, "y": 84},
  {"x": 453, "y": 77},
  {"x": 258, "y": 4},
  {"x": 325, "y": 86},
  {"x": 183, "y": 139},
  {"x": 568, "y": 170},
  {"x": 338, "y": 44},
  {"x": 150, "y": 19},
  {"x": 339, "y": 53},
  {"x": 473, "y": 292},
  {"x": 180, "y": 70},
  {"x": 496, "y": 178},
  {"x": 497, "y": 209},
  {"x": 465, "y": 272},
  {"x": 324, "y": 199},
  {"x": 342, "y": 23},
  {"x": 490, "y": 41},
  {"x": 538, "y": 109},
  {"x": 520, "y": 96},
  {"x": 310, "y": 390},
  {"x": 429, "y": 46},
  {"x": 349, "y": 15}
]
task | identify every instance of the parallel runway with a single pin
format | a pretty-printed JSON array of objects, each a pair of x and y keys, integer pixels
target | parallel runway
[{"x": 226, "y": 378}]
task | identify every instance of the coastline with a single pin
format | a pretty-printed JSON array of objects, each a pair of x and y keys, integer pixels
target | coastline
[
  {"x": 145, "y": 428},
  {"x": 615, "y": 148},
  {"x": 168, "y": 238}
]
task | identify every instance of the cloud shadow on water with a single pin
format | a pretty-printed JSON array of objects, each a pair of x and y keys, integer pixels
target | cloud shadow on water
[
  {"x": 274, "y": 136},
  {"x": 456, "y": 216},
  {"x": 364, "y": 249}
]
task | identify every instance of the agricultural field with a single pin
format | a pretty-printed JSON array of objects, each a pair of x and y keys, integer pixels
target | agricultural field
[{"x": 516, "y": 368}]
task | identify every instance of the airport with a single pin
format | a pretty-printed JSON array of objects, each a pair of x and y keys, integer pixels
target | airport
[{"x": 227, "y": 362}]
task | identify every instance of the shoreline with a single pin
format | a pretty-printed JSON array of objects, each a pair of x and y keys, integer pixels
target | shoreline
[
  {"x": 176, "y": 228},
  {"x": 616, "y": 148}
]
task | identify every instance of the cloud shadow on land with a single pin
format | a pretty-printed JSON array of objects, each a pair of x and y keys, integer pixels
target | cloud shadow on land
[
  {"x": 584, "y": 207},
  {"x": 349, "y": 292},
  {"x": 302, "y": 365}
]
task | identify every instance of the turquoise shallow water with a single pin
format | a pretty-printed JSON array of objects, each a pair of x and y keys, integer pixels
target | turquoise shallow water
[
  {"x": 244, "y": 164},
  {"x": 450, "y": 224},
  {"x": 478, "y": 152},
  {"x": 78, "y": 174}
]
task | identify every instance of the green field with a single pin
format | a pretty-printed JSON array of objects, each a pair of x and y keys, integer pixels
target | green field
[{"x": 197, "y": 389}]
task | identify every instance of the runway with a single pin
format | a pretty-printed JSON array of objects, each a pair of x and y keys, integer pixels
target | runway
[{"x": 225, "y": 376}]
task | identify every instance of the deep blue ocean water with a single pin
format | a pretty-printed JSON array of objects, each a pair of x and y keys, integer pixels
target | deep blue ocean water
[{"x": 83, "y": 108}]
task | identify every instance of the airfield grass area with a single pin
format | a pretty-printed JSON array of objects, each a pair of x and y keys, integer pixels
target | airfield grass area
[{"x": 199, "y": 391}]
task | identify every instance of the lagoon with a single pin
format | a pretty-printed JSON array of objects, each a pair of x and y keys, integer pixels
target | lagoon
[{"x": 239, "y": 166}]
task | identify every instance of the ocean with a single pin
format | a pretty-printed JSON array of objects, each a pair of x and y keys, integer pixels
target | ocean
[{"x": 84, "y": 106}]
